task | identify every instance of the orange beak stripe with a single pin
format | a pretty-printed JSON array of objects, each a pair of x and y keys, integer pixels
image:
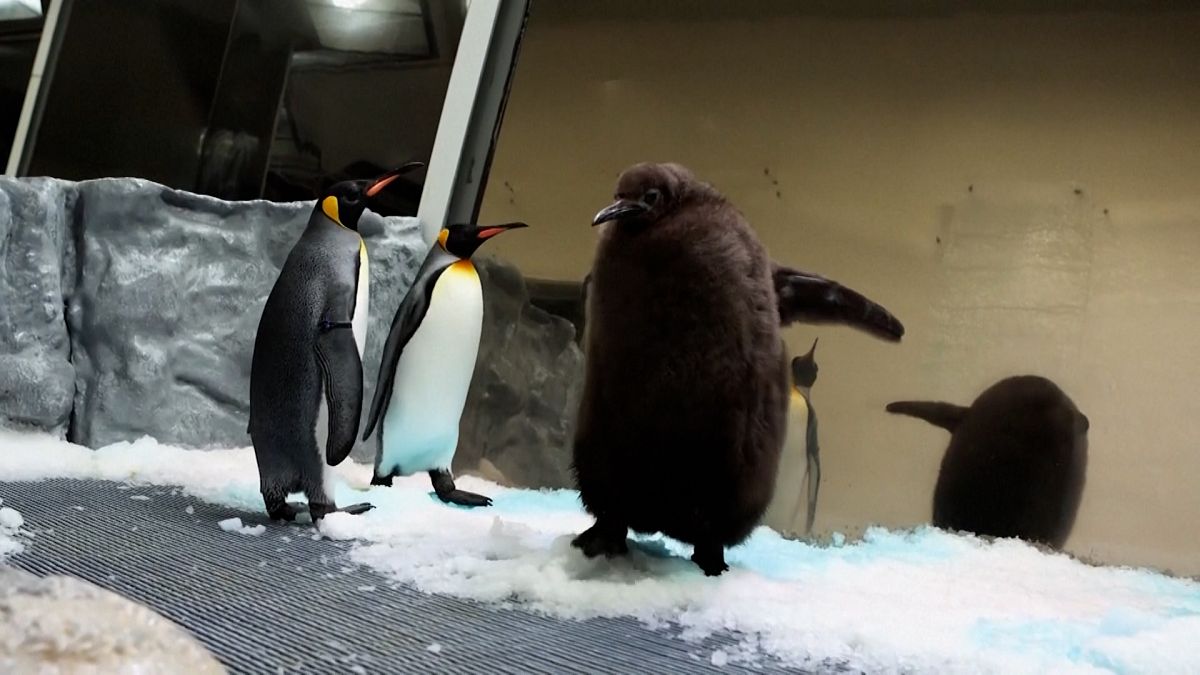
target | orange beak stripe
[
  {"x": 380, "y": 184},
  {"x": 489, "y": 232}
]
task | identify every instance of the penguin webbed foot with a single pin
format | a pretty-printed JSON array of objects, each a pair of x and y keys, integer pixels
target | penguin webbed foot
[
  {"x": 285, "y": 511},
  {"x": 385, "y": 481},
  {"x": 357, "y": 509},
  {"x": 710, "y": 558},
  {"x": 602, "y": 539},
  {"x": 319, "y": 510},
  {"x": 443, "y": 485}
]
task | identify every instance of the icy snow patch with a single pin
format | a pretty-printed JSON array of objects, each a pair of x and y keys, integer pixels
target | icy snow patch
[
  {"x": 235, "y": 525},
  {"x": 920, "y": 600},
  {"x": 10, "y": 518},
  {"x": 10, "y": 525}
]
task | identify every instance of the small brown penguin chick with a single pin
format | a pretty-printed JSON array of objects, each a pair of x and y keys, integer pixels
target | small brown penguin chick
[
  {"x": 1016, "y": 464},
  {"x": 684, "y": 404}
]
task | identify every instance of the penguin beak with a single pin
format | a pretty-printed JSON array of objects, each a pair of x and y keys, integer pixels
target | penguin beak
[
  {"x": 493, "y": 230},
  {"x": 377, "y": 185},
  {"x": 622, "y": 208}
]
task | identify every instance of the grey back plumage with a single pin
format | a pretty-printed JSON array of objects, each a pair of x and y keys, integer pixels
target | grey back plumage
[{"x": 318, "y": 282}]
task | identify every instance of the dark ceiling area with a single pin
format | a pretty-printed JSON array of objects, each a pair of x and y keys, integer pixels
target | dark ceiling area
[{"x": 243, "y": 99}]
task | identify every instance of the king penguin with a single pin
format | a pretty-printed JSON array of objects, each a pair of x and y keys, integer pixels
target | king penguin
[
  {"x": 1016, "y": 464},
  {"x": 801, "y": 453},
  {"x": 306, "y": 371},
  {"x": 427, "y": 364},
  {"x": 684, "y": 406}
]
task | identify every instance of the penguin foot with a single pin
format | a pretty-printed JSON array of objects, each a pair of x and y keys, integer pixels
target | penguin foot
[
  {"x": 357, "y": 509},
  {"x": 385, "y": 481},
  {"x": 443, "y": 485},
  {"x": 601, "y": 539},
  {"x": 711, "y": 559},
  {"x": 286, "y": 511},
  {"x": 318, "y": 511},
  {"x": 464, "y": 498}
]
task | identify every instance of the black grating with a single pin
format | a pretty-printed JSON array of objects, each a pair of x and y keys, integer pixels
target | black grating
[{"x": 263, "y": 605}]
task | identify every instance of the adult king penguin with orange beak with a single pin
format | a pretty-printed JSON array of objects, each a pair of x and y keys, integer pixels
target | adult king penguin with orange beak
[
  {"x": 428, "y": 361},
  {"x": 306, "y": 381}
]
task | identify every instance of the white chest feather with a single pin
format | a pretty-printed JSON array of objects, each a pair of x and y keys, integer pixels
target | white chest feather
[
  {"x": 433, "y": 375},
  {"x": 362, "y": 301},
  {"x": 789, "y": 481}
]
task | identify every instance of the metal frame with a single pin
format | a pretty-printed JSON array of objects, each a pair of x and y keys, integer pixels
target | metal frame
[
  {"x": 471, "y": 114},
  {"x": 31, "y": 109},
  {"x": 466, "y": 133}
]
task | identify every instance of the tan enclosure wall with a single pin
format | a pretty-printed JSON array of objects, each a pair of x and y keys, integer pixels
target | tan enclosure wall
[{"x": 1021, "y": 188}]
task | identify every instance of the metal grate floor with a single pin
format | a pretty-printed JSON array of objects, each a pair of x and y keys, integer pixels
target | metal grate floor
[{"x": 265, "y": 605}]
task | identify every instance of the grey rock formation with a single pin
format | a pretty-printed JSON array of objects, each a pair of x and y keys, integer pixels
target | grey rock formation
[
  {"x": 163, "y": 292},
  {"x": 63, "y": 625},
  {"x": 170, "y": 289},
  {"x": 37, "y": 381},
  {"x": 521, "y": 409}
]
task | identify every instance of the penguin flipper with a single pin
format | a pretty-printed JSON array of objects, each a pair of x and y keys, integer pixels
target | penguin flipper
[
  {"x": 811, "y": 298},
  {"x": 408, "y": 318},
  {"x": 341, "y": 372},
  {"x": 945, "y": 415},
  {"x": 812, "y": 472}
]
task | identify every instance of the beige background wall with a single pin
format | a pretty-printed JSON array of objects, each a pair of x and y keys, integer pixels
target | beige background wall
[{"x": 1022, "y": 189}]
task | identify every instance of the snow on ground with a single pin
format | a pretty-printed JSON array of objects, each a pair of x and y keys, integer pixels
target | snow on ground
[
  {"x": 10, "y": 527},
  {"x": 235, "y": 525},
  {"x": 920, "y": 600}
]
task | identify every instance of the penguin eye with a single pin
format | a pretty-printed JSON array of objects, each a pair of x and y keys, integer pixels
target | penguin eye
[{"x": 651, "y": 197}]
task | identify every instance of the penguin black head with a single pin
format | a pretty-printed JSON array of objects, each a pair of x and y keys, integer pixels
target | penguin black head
[
  {"x": 648, "y": 192},
  {"x": 804, "y": 368},
  {"x": 462, "y": 239},
  {"x": 345, "y": 202}
]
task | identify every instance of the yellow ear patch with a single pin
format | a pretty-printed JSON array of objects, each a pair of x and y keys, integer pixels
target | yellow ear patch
[
  {"x": 330, "y": 206},
  {"x": 442, "y": 236}
]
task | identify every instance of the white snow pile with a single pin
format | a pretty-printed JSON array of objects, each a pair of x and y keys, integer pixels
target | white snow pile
[
  {"x": 920, "y": 600},
  {"x": 10, "y": 527},
  {"x": 235, "y": 525}
]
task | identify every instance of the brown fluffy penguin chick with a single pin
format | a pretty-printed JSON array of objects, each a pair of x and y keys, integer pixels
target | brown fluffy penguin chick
[
  {"x": 684, "y": 404},
  {"x": 1016, "y": 464}
]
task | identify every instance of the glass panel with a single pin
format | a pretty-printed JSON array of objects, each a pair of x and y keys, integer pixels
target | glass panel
[
  {"x": 259, "y": 98},
  {"x": 20, "y": 9},
  {"x": 1018, "y": 186},
  {"x": 20, "y": 31}
]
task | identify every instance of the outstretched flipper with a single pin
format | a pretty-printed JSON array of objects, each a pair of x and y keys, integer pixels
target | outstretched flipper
[
  {"x": 945, "y": 415},
  {"x": 341, "y": 372},
  {"x": 408, "y": 317},
  {"x": 811, "y": 298}
]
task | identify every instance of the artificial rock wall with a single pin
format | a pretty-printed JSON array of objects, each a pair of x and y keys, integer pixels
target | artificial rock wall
[{"x": 128, "y": 308}]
